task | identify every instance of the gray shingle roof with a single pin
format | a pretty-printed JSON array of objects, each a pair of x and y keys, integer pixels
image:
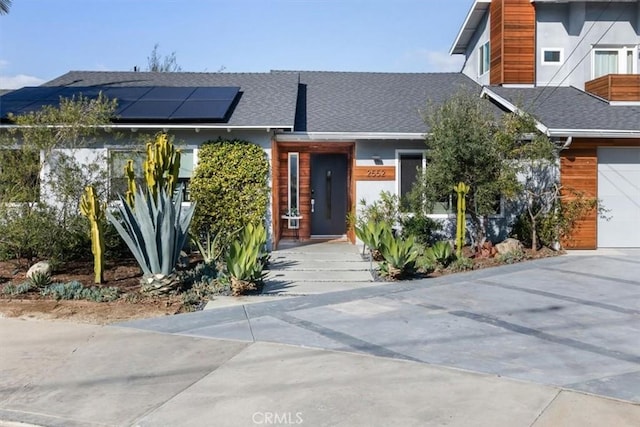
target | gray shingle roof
[
  {"x": 571, "y": 108},
  {"x": 267, "y": 99},
  {"x": 372, "y": 102}
]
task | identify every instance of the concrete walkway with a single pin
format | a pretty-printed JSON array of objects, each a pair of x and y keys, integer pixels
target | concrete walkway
[
  {"x": 65, "y": 374},
  {"x": 315, "y": 268}
]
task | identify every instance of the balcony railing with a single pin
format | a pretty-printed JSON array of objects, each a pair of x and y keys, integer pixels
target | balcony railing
[{"x": 615, "y": 87}]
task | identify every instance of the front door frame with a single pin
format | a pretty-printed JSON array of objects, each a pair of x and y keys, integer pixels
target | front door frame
[{"x": 279, "y": 165}]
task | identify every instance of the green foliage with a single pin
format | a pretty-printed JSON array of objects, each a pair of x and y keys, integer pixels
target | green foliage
[
  {"x": 421, "y": 227},
  {"x": 386, "y": 208},
  {"x": 75, "y": 290},
  {"x": 19, "y": 289},
  {"x": 210, "y": 249},
  {"x": 156, "y": 231},
  {"x": 512, "y": 257},
  {"x": 555, "y": 224},
  {"x": 461, "y": 264},
  {"x": 230, "y": 186},
  {"x": 371, "y": 234},
  {"x": 467, "y": 144},
  {"x": 440, "y": 254},
  {"x": 40, "y": 280},
  {"x": 246, "y": 259},
  {"x": 399, "y": 255}
]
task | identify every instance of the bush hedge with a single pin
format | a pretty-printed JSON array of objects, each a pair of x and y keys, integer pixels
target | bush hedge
[{"x": 230, "y": 187}]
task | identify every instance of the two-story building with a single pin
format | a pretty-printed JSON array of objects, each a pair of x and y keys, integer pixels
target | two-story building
[{"x": 574, "y": 66}]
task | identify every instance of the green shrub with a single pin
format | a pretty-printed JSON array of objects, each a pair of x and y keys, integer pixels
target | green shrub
[
  {"x": 399, "y": 255},
  {"x": 461, "y": 264},
  {"x": 386, "y": 208},
  {"x": 230, "y": 187},
  {"x": 421, "y": 227},
  {"x": 75, "y": 290},
  {"x": 19, "y": 289},
  {"x": 512, "y": 257},
  {"x": 440, "y": 254}
]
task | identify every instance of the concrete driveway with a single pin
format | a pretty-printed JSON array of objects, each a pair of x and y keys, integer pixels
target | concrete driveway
[
  {"x": 571, "y": 321},
  {"x": 565, "y": 326}
]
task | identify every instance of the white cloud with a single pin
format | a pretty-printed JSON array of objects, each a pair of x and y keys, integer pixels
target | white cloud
[
  {"x": 18, "y": 81},
  {"x": 3, "y": 63},
  {"x": 440, "y": 61}
]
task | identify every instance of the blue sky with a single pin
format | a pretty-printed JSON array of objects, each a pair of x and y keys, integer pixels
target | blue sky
[{"x": 42, "y": 39}]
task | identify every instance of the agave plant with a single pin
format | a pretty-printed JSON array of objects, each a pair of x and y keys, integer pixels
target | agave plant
[
  {"x": 371, "y": 235},
  {"x": 246, "y": 259},
  {"x": 441, "y": 253},
  {"x": 155, "y": 232},
  {"x": 399, "y": 255}
]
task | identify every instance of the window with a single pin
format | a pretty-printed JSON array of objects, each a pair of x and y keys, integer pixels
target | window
[
  {"x": 552, "y": 56},
  {"x": 613, "y": 60},
  {"x": 484, "y": 59},
  {"x": 118, "y": 161},
  {"x": 294, "y": 192},
  {"x": 19, "y": 175},
  {"x": 410, "y": 165}
]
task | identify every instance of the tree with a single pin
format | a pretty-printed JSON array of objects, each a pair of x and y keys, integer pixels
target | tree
[
  {"x": 41, "y": 173},
  {"x": 468, "y": 143},
  {"x": 5, "y": 5},
  {"x": 159, "y": 64}
]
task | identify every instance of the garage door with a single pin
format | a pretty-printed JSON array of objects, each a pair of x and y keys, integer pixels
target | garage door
[{"x": 619, "y": 191}]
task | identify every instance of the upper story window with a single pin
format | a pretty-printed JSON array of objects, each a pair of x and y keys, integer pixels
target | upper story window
[
  {"x": 614, "y": 60},
  {"x": 552, "y": 56},
  {"x": 484, "y": 57}
]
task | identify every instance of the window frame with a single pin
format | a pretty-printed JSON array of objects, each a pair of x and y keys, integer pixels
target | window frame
[
  {"x": 485, "y": 47},
  {"x": 293, "y": 223},
  {"x": 623, "y": 53},
  {"x": 560, "y": 51}
]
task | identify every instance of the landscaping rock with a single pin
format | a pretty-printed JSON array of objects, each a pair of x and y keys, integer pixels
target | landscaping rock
[
  {"x": 42, "y": 267},
  {"x": 509, "y": 245}
]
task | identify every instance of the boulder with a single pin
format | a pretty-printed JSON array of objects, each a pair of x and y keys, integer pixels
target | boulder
[
  {"x": 509, "y": 245},
  {"x": 42, "y": 267}
]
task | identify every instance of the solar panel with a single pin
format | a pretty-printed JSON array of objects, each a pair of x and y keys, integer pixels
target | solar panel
[
  {"x": 151, "y": 110},
  {"x": 135, "y": 103},
  {"x": 214, "y": 93},
  {"x": 168, "y": 94},
  {"x": 202, "y": 110},
  {"x": 126, "y": 93}
]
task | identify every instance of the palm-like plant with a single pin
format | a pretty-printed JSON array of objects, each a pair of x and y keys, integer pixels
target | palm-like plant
[
  {"x": 399, "y": 255},
  {"x": 155, "y": 232},
  {"x": 5, "y": 5}
]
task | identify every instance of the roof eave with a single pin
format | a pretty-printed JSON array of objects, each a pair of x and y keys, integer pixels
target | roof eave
[
  {"x": 347, "y": 136},
  {"x": 511, "y": 107},
  {"x": 469, "y": 27},
  {"x": 594, "y": 133}
]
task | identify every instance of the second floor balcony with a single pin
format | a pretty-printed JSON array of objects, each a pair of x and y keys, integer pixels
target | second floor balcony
[{"x": 616, "y": 87}]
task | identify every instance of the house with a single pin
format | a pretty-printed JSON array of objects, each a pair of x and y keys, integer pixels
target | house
[
  {"x": 334, "y": 138},
  {"x": 574, "y": 66}
]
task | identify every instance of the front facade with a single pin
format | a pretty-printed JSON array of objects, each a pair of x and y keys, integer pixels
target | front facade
[
  {"x": 575, "y": 66},
  {"x": 334, "y": 139}
]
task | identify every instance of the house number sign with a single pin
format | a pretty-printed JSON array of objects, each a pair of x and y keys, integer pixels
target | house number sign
[{"x": 375, "y": 173}]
